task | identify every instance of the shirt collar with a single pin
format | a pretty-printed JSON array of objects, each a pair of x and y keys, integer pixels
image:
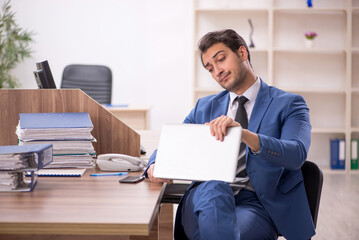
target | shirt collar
[{"x": 251, "y": 93}]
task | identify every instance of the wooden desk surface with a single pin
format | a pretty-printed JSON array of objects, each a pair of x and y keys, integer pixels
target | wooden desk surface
[{"x": 81, "y": 205}]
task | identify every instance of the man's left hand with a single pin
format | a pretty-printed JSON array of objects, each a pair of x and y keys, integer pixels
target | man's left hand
[{"x": 219, "y": 126}]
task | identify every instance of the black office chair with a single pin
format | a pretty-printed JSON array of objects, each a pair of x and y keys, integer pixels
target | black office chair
[
  {"x": 94, "y": 80},
  {"x": 313, "y": 181},
  {"x": 174, "y": 192}
]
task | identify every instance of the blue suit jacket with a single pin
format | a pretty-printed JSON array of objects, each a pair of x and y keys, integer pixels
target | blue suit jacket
[{"x": 281, "y": 121}]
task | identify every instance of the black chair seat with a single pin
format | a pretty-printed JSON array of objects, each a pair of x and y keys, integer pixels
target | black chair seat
[{"x": 174, "y": 192}]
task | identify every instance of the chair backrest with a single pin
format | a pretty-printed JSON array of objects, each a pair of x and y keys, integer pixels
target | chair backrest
[
  {"x": 94, "y": 80},
  {"x": 313, "y": 181}
]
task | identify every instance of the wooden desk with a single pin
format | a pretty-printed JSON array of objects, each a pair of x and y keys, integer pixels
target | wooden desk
[
  {"x": 136, "y": 117},
  {"x": 82, "y": 208},
  {"x": 150, "y": 139}
]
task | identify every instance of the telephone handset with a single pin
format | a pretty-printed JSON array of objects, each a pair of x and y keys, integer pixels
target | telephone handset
[{"x": 119, "y": 162}]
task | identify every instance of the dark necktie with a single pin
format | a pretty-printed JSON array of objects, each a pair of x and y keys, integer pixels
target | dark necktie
[{"x": 241, "y": 118}]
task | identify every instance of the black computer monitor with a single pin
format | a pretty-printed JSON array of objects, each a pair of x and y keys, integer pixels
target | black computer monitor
[
  {"x": 45, "y": 75},
  {"x": 41, "y": 79}
]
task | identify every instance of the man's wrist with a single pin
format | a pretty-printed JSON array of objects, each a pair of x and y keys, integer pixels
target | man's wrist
[
  {"x": 255, "y": 153},
  {"x": 251, "y": 140}
]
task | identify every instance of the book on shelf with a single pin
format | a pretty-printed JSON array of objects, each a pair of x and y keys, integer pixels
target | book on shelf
[
  {"x": 354, "y": 154},
  {"x": 69, "y": 133},
  {"x": 337, "y": 153},
  {"x": 18, "y": 161}
]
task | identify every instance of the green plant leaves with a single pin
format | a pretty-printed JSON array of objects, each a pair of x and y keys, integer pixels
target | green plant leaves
[{"x": 14, "y": 46}]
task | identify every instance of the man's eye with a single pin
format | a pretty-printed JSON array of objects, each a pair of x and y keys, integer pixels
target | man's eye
[
  {"x": 221, "y": 59},
  {"x": 210, "y": 70}
]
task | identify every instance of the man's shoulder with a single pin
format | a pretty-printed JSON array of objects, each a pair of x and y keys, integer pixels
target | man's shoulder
[{"x": 281, "y": 94}]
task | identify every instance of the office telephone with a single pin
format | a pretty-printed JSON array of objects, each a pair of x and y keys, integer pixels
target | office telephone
[{"x": 119, "y": 162}]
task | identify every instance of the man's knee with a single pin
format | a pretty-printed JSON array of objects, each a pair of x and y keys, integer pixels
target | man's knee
[
  {"x": 214, "y": 207},
  {"x": 213, "y": 194}
]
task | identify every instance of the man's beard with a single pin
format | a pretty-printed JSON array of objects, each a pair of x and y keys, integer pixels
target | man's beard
[{"x": 233, "y": 86}]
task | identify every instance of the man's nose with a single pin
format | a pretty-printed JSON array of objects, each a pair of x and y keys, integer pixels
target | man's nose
[{"x": 218, "y": 71}]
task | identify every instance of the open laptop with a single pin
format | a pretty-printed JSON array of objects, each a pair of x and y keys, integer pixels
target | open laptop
[{"x": 190, "y": 152}]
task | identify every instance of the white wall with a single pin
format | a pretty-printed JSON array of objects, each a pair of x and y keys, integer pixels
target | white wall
[{"x": 146, "y": 43}]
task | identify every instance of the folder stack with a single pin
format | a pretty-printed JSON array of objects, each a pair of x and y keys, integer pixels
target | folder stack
[
  {"x": 69, "y": 133},
  {"x": 18, "y": 161},
  {"x": 337, "y": 154}
]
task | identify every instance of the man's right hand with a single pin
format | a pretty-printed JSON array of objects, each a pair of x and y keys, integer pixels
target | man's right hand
[{"x": 152, "y": 178}]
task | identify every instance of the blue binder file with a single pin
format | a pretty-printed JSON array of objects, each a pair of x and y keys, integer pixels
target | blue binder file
[
  {"x": 70, "y": 134},
  {"x": 25, "y": 157},
  {"x": 354, "y": 154},
  {"x": 54, "y": 126},
  {"x": 337, "y": 154},
  {"x": 55, "y": 120},
  {"x": 17, "y": 160}
]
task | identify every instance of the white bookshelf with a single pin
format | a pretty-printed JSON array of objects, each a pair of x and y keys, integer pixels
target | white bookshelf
[{"x": 327, "y": 75}]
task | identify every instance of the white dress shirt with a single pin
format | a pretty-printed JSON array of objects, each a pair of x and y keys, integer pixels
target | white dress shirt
[{"x": 250, "y": 94}]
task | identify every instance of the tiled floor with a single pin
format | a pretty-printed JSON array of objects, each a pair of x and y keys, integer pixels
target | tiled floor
[{"x": 339, "y": 207}]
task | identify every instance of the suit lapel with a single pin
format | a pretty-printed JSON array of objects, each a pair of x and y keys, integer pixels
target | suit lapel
[
  {"x": 220, "y": 105},
  {"x": 263, "y": 101}
]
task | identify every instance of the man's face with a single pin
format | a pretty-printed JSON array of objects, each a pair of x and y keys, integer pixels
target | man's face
[{"x": 225, "y": 66}]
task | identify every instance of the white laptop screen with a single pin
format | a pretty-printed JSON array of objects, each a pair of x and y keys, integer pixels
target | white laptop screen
[{"x": 190, "y": 152}]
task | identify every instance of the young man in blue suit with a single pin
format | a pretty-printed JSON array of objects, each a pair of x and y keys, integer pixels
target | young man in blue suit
[{"x": 276, "y": 131}]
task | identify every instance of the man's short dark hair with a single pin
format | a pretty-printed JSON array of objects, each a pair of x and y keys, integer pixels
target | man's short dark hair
[{"x": 228, "y": 37}]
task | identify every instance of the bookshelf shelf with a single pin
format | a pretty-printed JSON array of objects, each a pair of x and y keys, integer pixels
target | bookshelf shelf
[
  {"x": 325, "y": 75},
  {"x": 318, "y": 91},
  {"x": 310, "y": 51},
  {"x": 227, "y": 10},
  {"x": 310, "y": 10},
  {"x": 328, "y": 130}
]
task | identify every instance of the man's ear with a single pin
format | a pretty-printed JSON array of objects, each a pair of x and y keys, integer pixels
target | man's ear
[{"x": 242, "y": 52}]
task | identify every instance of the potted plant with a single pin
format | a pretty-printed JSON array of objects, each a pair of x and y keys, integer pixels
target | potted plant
[
  {"x": 14, "y": 46},
  {"x": 309, "y": 39}
]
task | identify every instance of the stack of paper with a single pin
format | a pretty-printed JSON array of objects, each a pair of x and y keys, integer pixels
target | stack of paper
[
  {"x": 9, "y": 181},
  {"x": 17, "y": 182},
  {"x": 67, "y": 147},
  {"x": 69, "y": 133},
  {"x": 16, "y": 160}
]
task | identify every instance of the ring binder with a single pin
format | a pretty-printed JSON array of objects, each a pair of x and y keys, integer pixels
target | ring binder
[{"x": 16, "y": 161}]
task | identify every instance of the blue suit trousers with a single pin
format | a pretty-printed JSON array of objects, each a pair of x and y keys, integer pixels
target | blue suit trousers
[{"x": 211, "y": 211}]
